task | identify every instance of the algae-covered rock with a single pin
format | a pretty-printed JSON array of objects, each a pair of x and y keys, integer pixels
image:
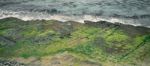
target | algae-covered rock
[{"x": 87, "y": 44}]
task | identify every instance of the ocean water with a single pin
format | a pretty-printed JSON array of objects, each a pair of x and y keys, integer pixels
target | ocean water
[{"x": 133, "y": 12}]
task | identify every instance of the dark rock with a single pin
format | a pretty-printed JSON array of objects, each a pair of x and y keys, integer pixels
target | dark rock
[
  {"x": 128, "y": 29},
  {"x": 5, "y": 41},
  {"x": 10, "y": 63}
]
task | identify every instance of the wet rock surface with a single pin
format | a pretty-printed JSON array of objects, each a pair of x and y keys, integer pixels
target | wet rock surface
[{"x": 10, "y": 63}]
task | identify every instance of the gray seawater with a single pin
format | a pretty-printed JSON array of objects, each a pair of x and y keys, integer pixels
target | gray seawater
[{"x": 134, "y": 12}]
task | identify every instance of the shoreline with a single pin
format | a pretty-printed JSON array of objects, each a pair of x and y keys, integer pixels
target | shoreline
[{"x": 80, "y": 20}]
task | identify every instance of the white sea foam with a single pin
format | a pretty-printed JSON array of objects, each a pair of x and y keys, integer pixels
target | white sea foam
[{"x": 39, "y": 16}]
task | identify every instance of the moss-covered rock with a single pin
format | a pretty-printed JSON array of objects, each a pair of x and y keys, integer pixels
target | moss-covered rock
[{"x": 99, "y": 42}]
